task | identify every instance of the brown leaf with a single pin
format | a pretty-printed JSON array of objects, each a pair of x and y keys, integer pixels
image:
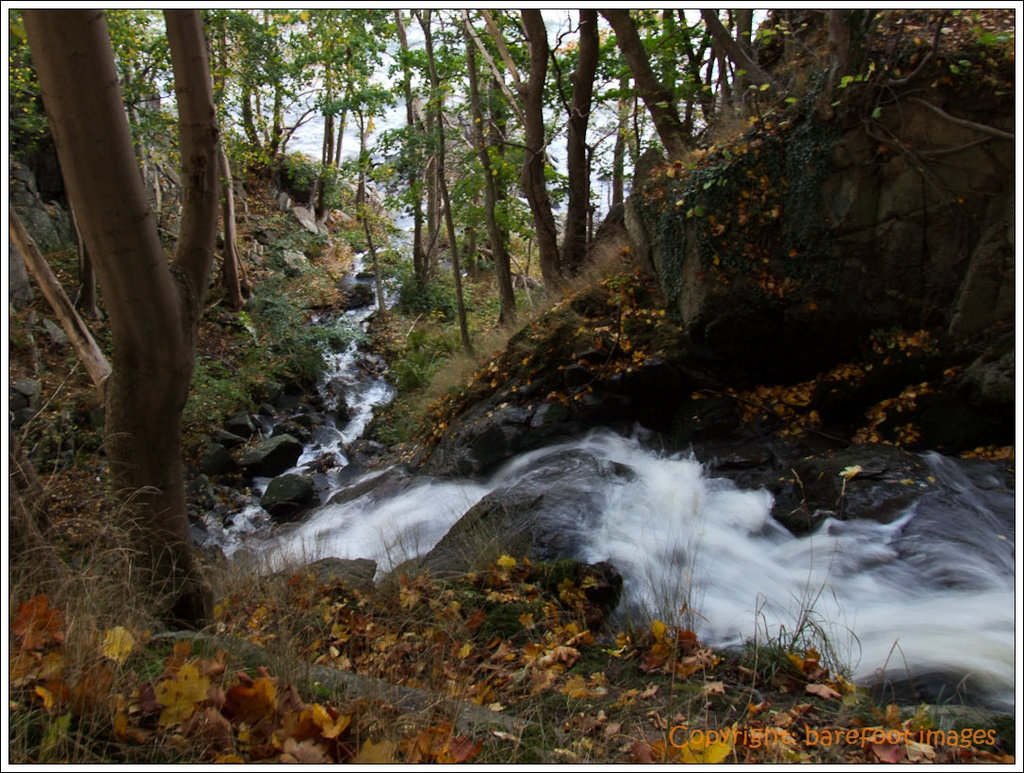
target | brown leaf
[
  {"x": 823, "y": 691},
  {"x": 307, "y": 752},
  {"x": 37, "y": 624},
  {"x": 640, "y": 751},
  {"x": 888, "y": 752}
]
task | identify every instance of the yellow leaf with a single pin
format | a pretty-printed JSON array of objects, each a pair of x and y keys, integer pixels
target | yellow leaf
[
  {"x": 851, "y": 472},
  {"x": 330, "y": 727},
  {"x": 180, "y": 695},
  {"x": 118, "y": 644},
  {"x": 658, "y": 628},
  {"x": 506, "y": 562},
  {"x": 376, "y": 753},
  {"x": 701, "y": 752},
  {"x": 464, "y": 651}
]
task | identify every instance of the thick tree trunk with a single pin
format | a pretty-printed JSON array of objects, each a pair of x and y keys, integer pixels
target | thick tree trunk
[
  {"x": 660, "y": 102},
  {"x": 497, "y": 239},
  {"x": 153, "y": 309},
  {"x": 574, "y": 242},
  {"x": 532, "y": 176}
]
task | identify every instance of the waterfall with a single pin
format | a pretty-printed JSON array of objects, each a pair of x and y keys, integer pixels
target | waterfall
[{"x": 928, "y": 595}]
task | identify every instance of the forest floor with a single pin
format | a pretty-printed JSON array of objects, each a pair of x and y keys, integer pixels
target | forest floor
[{"x": 518, "y": 663}]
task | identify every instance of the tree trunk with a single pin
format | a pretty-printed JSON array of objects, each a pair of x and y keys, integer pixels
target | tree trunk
[
  {"x": 740, "y": 54},
  {"x": 532, "y": 176},
  {"x": 435, "y": 87},
  {"x": 574, "y": 242},
  {"x": 660, "y": 102},
  {"x": 495, "y": 236},
  {"x": 153, "y": 308},
  {"x": 86, "y": 276},
  {"x": 419, "y": 262},
  {"x": 232, "y": 274},
  {"x": 88, "y": 352}
]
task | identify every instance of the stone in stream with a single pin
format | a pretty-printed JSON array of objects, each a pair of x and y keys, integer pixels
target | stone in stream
[
  {"x": 272, "y": 456},
  {"x": 288, "y": 496}
]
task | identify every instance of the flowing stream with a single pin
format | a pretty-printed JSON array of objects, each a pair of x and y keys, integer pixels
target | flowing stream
[{"x": 928, "y": 598}]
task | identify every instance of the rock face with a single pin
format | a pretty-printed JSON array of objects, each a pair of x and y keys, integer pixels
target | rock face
[
  {"x": 46, "y": 222},
  {"x": 786, "y": 248}
]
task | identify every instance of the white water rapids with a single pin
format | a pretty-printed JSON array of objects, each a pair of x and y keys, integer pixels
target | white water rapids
[{"x": 932, "y": 593}]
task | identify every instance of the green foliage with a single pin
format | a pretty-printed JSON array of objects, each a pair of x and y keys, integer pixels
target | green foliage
[{"x": 436, "y": 295}]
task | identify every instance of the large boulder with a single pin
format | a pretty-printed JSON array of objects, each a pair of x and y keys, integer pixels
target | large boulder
[
  {"x": 542, "y": 513},
  {"x": 785, "y": 247},
  {"x": 288, "y": 496}
]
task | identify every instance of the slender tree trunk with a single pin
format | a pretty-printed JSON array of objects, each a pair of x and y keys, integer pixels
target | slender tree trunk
[
  {"x": 660, "y": 102},
  {"x": 532, "y": 176},
  {"x": 435, "y": 87},
  {"x": 86, "y": 275},
  {"x": 419, "y": 262},
  {"x": 153, "y": 308},
  {"x": 574, "y": 243},
  {"x": 89, "y": 353},
  {"x": 495, "y": 236},
  {"x": 232, "y": 273},
  {"x": 739, "y": 53}
]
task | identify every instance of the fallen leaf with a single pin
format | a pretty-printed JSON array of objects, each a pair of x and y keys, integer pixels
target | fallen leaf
[
  {"x": 916, "y": 752},
  {"x": 714, "y": 688},
  {"x": 180, "y": 694},
  {"x": 376, "y": 753},
  {"x": 37, "y": 624},
  {"x": 118, "y": 644},
  {"x": 888, "y": 752},
  {"x": 307, "y": 752},
  {"x": 823, "y": 691}
]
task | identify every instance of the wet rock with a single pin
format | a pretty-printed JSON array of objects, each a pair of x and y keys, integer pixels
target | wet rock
[
  {"x": 543, "y": 514},
  {"x": 271, "y": 457},
  {"x": 887, "y": 482},
  {"x": 288, "y": 496}
]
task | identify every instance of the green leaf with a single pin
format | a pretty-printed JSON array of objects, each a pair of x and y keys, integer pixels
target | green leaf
[
  {"x": 699, "y": 210},
  {"x": 954, "y": 69},
  {"x": 876, "y": 113},
  {"x": 765, "y": 86},
  {"x": 791, "y": 100}
]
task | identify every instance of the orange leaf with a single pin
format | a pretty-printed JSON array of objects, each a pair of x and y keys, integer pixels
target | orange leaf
[
  {"x": 253, "y": 703},
  {"x": 38, "y": 624},
  {"x": 888, "y": 752}
]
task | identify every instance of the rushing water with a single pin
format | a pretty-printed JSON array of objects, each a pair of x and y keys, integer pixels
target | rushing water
[{"x": 929, "y": 595}]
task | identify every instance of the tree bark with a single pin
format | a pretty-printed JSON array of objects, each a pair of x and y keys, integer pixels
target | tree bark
[
  {"x": 495, "y": 236},
  {"x": 88, "y": 352},
  {"x": 660, "y": 102},
  {"x": 574, "y": 242},
  {"x": 734, "y": 49},
  {"x": 435, "y": 84},
  {"x": 232, "y": 273},
  {"x": 419, "y": 261},
  {"x": 532, "y": 175},
  {"x": 153, "y": 308}
]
